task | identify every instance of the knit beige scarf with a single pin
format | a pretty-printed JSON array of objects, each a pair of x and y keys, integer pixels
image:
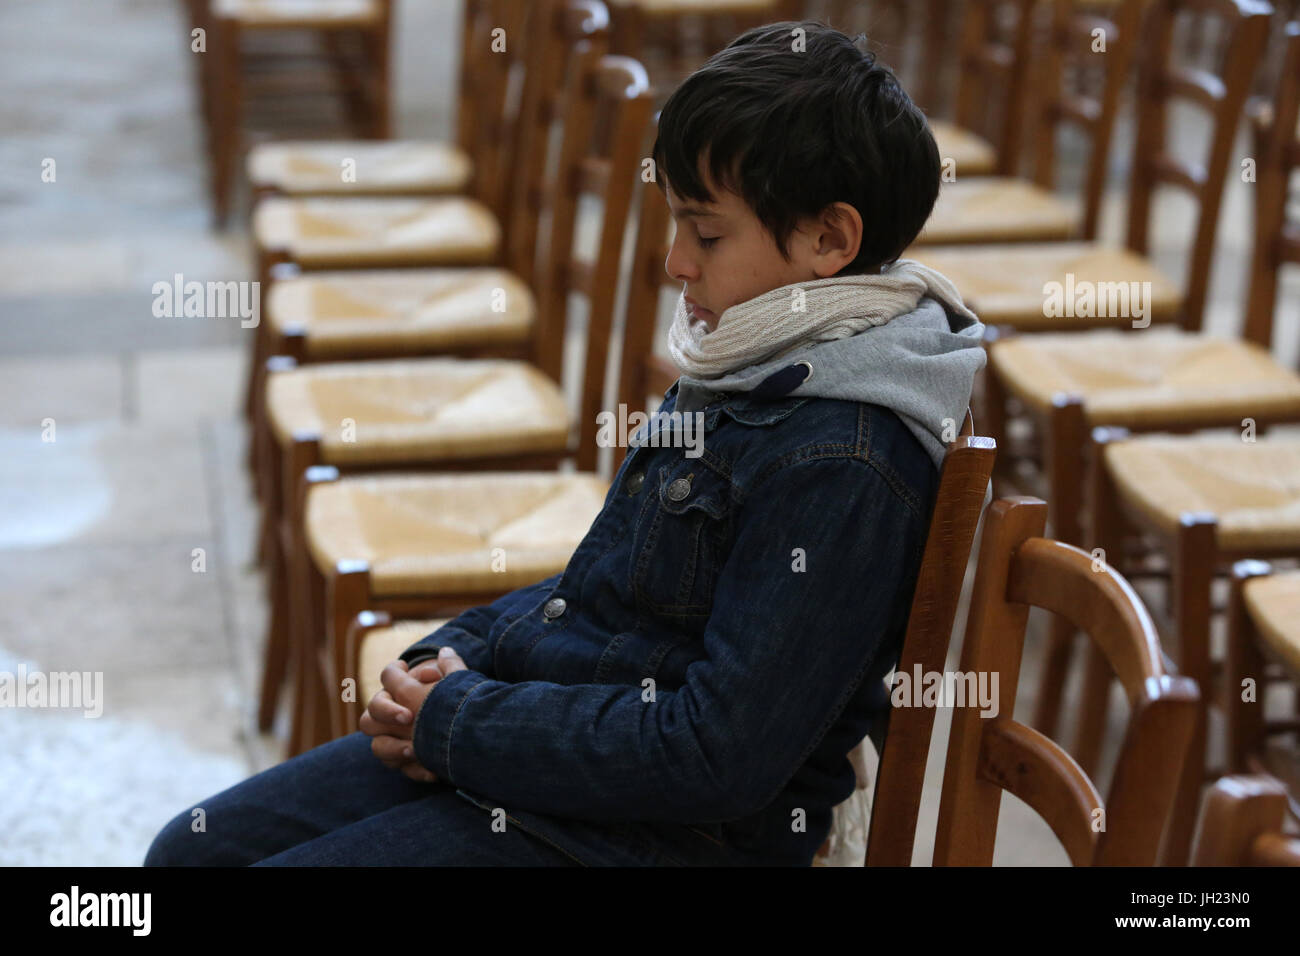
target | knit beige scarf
[{"x": 795, "y": 316}]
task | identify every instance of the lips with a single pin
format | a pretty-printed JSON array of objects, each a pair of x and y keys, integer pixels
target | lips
[{"x": 698, "y": 311}]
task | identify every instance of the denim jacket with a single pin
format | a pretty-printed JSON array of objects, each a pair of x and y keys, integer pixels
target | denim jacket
[{"x": 688, "y": 689}]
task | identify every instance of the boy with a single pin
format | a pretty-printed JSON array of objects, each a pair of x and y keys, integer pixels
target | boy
[{"x": 687, "y": 690}]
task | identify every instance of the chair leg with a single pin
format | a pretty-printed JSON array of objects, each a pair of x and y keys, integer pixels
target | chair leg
[
  {"x": 1245, "y": 719},
  {"x": 275, "y": 666},
  {"x": 379, "y": 56},
  {"x": 279, "y": 653},
  {"x": 227, "y": 113},
  {"x": 1193, "y": 574},
  {"x": 1064, "y": 436},
  {"x": 316, "y": 703},
  {"x": 348, "y": 595}
]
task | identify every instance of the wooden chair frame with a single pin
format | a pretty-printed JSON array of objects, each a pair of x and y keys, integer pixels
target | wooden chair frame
[
  {"x": 225, "y": 90},
  {"x": 963, "y": 483},
  {"x": 1076, "y": 457},
  {"x": 615, "y": 84},
  {"x": 562, "y": 30},
  {"x": 1068, "y": 35},
  {"x": 990, "y": 63},
  {"x": 1019, "y": 569},
  {"x": 1249, "y": 657},
  {"x": 1241, "y": 825}
]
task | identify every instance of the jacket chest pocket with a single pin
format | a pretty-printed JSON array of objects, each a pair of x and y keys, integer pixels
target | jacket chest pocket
[{"x": 679, "y": 542}]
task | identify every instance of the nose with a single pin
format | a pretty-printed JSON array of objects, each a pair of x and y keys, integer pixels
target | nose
[{"x": 679, "y": 265}]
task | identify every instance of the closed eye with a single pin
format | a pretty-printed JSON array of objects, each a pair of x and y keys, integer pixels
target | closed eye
[{"x": 706, "y": 242}]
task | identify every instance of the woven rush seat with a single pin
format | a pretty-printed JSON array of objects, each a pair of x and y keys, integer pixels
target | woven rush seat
[
  {"x": 488, "y": 532},
  {"x": 972, "y": 155},
  {"x": 1253, "y": 488},
  {"x": 382, "y": 646},
  {"x": 997, "y": 209},
  {"x": 330, "y": 232},
  {"x": 1155, "y": 378},
  {"x": 418, "y": 409},
  {"x": 380, "y": 167},
  {"x": 1273, "y": 601},
  {"x": 349, "y": 314},
  {"x": 298, "y": 13},
  {"x": 1005, "y": 283}
]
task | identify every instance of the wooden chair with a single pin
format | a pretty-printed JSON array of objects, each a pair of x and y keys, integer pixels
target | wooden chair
[
  {"x": 1263, "y": 651},
  {"x": 1006, "y": 283},
  {"x": 1241, "y": 825},
  {"x": 334, "y": 231},
  {"x": 1203, "y": 502},
  {"x": 232, "y": 75},
  {"x": 904, "y": 736},
  {"x": 482, "y": 311},
  {"x": 1019, "y": 569},
  {"x": 407, "y": 167},
  {"x": 993, "y": 70},
  {"x": 1047, "y": 374},
  {"x": 984, "y": 209},
  {"x": 335, "y": 532},
  {"x": 374, "y": 639}
]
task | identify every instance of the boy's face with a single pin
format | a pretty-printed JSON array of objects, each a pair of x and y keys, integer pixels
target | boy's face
[{"x": 723, "y": 255}]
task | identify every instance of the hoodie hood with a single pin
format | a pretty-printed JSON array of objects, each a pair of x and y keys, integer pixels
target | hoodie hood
[{"x": 921, "y": 365}]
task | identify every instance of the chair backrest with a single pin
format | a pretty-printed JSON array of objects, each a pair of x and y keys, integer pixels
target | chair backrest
[
  {"x": 963, "y": 482},
  {"x": 473, "y": 55},
  {"x": 1241, "y": 825},
  {"x": 1074, "y": 47},
  {"x": 993, "y": 70},
  {"x": 608, "y": 100},
  {"x": 496, "y": 47},
  {"x": 1243, "y": 26},
  {"x": 1018, "y": 568},
  {"x": 641, "y": 372},
  {"x": 1277, "y": 240}
]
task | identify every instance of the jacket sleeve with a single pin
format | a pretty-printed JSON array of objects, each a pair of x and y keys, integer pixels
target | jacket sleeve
[
  {"x": 469, "y": 634},
  {"x": 781, "y": 663}
]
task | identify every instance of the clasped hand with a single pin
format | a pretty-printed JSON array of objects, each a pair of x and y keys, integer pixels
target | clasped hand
[{"x": 390, "y": 717}]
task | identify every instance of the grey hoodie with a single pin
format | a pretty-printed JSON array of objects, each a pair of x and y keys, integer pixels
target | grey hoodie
[{"x": 920, "y": 365}]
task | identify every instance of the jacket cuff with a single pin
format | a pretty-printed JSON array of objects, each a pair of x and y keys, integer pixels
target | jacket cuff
[
  {"x": 435, "y": 723},
  {"x": 428, "y": 652}
]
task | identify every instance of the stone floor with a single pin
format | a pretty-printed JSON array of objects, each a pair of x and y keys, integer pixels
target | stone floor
[{"x": 99, "y": 528}]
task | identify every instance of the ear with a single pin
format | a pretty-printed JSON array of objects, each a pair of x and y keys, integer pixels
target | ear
[{"x": 837, "y": 238}]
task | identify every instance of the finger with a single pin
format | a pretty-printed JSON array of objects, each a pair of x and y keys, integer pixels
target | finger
[
  {"x": 373, "y": 728},
  {"x": 388, "y": 711},
  {"x": 427, "y": 672},
  {"x": 418, "y": 773},
  {"x": 449, "y": 660},
  {"x": 393, "y": 751},
  {"x": 394, "y": 678}
]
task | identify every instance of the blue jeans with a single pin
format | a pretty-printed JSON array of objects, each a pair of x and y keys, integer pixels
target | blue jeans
[{"x": 337, "y": 805}]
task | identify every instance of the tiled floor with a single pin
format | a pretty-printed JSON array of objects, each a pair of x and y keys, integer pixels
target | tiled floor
[{"x": 99, "y": 527}]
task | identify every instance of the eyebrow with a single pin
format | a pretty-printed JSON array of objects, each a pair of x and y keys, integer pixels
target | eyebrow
[{"x": 695, "y": 212}]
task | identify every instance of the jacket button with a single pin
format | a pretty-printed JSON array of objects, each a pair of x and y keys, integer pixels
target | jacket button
[
  {"x": 679, "y": 489},
  {"x": 635, "y": 481},
  {"x": 554, "y": 608}
]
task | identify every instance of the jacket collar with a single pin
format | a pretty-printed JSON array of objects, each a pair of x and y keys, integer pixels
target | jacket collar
[{"x": 741, "y": 407}]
